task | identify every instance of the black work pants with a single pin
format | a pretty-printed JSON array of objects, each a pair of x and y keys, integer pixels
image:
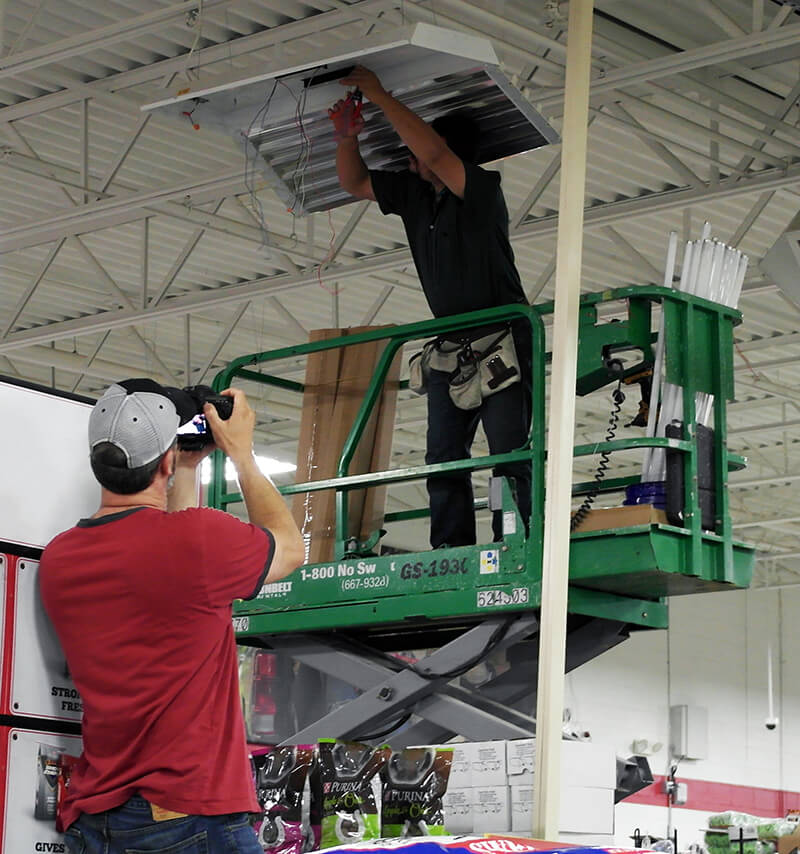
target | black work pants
[{"x": 506, "y": 421}]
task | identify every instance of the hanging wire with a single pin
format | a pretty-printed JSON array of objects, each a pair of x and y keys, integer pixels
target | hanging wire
[
  {"x": 301, "y": 164},
  {"x": 194, "y": 19},
  {"x": 335, "y": 289},
  {"x": 618, "y": 398},
  {"x": 747, "y": 362},
  {"x": 250, "y": 158}
]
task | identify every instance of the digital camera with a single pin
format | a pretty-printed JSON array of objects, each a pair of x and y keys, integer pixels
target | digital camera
[{"x": 194, "y": 435}]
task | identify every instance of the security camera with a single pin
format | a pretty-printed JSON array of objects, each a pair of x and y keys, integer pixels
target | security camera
[{"x": 771, "y": 723}]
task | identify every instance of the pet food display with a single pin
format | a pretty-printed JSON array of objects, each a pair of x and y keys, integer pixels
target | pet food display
[
  {"x": 280, "y": 774},
  {"x": 343, "y": 786},
  {"x": 414, "y": 783}
]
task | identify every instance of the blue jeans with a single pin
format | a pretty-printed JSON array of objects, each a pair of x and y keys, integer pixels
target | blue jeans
[{"x": 130, "y": 829}]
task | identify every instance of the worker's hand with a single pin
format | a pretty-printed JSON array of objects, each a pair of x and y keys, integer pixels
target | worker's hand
[
  {"x": 233, "y": 437},
  {"x": 365, "y": 80},
  {"x": 346, "y": 118}
]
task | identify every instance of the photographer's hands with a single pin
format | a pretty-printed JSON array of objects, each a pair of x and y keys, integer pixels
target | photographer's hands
[
  {"x": 234, "y": 437},
  {"x": 235, "y": 440}
]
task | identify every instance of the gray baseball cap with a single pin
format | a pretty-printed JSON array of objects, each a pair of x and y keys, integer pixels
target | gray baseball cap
[{"x": 141, "y": 418}]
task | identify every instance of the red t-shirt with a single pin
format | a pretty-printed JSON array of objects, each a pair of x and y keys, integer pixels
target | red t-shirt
[{"x": 141, "y": 601}]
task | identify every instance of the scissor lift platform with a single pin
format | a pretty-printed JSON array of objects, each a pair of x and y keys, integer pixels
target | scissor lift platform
[
  {"x": 621, "y": 573},
  {"x": 467, "y": 599}
]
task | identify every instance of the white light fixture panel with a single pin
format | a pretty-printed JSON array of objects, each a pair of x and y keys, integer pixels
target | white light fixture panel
[{"x": 283, "y": 110}]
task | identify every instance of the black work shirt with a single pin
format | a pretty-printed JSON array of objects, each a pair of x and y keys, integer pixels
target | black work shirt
[{"x": 460, "y": 246}]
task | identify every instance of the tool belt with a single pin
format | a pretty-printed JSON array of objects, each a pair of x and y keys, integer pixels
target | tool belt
[{"x": 477, "y": 367}]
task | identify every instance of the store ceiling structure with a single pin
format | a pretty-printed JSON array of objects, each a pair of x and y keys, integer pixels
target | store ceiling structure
[{"x": 132, "y": 243}]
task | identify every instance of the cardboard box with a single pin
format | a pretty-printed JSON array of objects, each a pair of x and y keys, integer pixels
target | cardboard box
[
  {"x": 585, "y": 809},
  {"x": 461, "y": 766},
  {"x": 490, "y": 809},
  {"x": 335, "y": 385},
  {"x": 521, "y": 806},
  {"x": 582, "y": 810},
  {"x": 29, "y": 763},
  {"x": 35, "y": 679},
  {"x": 520, "y": 761},
  {"x": 489, "y": 763},
  {"x": 622, "y": 517},
  {"x": 583, "y": 763},
  {"x": 457, "y": 806}
]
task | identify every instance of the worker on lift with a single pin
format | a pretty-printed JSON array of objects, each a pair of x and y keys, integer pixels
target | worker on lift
[
  {"x": 140, "y": 596},
  {"x": 456, "y": 222}
]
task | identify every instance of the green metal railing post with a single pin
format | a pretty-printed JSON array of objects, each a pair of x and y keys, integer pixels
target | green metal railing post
[{"x": 722, "y": 368}]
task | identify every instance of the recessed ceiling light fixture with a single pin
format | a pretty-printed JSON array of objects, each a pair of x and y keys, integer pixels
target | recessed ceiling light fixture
[{"x": 282, "y": 111}]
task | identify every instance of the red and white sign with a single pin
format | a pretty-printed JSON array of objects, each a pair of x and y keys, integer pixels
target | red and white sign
[
  {"x": 30, "y": 762},
  {"x": 36, "y": 681}
]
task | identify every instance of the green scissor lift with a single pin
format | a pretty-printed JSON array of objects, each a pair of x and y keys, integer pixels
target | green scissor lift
[{"x": 341, "y": 616}]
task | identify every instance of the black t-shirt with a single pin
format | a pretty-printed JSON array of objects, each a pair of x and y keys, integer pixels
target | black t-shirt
[{"x": 460, "y": 246}]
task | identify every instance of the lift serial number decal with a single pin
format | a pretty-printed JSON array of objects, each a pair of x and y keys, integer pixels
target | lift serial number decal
[
  {"x": 241, "y": 624},
  {"x": 494, "y": 598}
]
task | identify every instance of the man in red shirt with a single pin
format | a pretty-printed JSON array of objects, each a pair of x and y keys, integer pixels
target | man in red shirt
[{"x": 140, "y": 596}]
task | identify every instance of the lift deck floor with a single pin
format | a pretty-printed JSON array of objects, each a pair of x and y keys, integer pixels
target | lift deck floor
[
  {"x": 620, "y": 574},
  {"x": 655, "y": 560}
]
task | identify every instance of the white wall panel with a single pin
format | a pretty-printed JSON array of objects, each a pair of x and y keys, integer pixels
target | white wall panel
[
  {"x": 47, "y": 483},
  {"x": 714, "y": 655}
]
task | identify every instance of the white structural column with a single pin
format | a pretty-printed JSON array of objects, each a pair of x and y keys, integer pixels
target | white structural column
[{"x": 555, "y": 569}]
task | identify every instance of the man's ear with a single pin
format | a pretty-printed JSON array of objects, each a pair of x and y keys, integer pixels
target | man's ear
[{"x": 167, "y": 466}]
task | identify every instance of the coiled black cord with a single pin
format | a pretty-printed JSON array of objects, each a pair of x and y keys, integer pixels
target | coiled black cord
[{"x": 618, "y": 398}]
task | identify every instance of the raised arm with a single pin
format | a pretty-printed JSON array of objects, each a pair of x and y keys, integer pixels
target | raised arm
[
  {"x": 265, "y": 505},
  {"x": 185, "y": 489},
  {"x": 350, "y": 167},
  {"x": 352, "y": 171},
  {"x": 423, "y": 141}
]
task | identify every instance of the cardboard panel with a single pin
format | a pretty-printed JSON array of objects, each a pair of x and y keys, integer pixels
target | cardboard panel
[
  {"x": 47, "y": 484},
  {"x": 622, "y": 517},
  {"x": 335, "y": 384},
  {"x": 39, "y": 684},
  {"x": 29, "y": 763},
  {"x": 375, "y": 499}
]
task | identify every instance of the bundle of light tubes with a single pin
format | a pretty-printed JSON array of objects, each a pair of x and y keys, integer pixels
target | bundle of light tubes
[{"x": 715, "y": 272}]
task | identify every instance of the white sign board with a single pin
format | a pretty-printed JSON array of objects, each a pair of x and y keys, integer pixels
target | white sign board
[
  {"x": 47, "y": 484},
  {"x": 31, "y": 789},
  {"x": 40, "y": 683}
]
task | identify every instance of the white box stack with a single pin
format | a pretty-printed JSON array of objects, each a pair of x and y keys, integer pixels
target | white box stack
[
  {"x": 492, "y": 783},
  {"x": 588, "y": 780}
]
